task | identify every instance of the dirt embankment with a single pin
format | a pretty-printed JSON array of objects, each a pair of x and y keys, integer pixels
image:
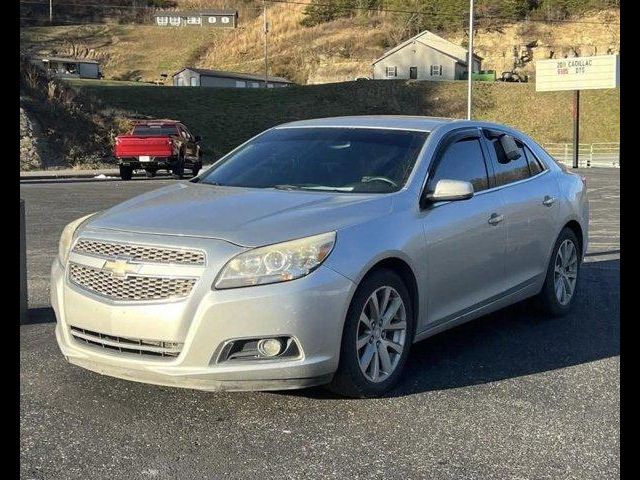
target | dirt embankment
[{"x": 60, "y": 127}]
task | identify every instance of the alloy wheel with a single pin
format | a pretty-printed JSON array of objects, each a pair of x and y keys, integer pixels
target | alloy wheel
[
  {"x": 382, "y": 332},
  {"x": 566, "y": 271}
]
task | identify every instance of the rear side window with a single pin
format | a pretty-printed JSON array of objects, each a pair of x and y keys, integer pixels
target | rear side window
[
  {"x": 534, "y": 164},
  {"x": 509, "y": 171},
  {"x": 154, "y": 131},
  {"x": 462, "y": 160}
]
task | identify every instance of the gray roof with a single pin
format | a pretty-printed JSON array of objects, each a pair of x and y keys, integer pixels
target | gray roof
[
  {"x": 194, "y": 13},
  {"x": 66, "y": 59},
  {"x": 409, "y": 122},
  {"x": 431, "y": 40},
  {"x": 240, "y": 76}
]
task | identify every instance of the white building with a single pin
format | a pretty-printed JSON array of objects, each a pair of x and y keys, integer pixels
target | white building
[
  {"x": 197, "y": 18},
  {"x": 425, "y": 57}
]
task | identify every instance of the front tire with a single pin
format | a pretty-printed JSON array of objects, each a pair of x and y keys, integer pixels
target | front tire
[
  {"x": 377, "y": 337},
  {"x": 126, "y": 172},
  {"x": 560, "y": 285}
]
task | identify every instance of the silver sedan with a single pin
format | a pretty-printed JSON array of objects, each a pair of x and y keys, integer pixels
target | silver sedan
[{"x": 317, "y": 253}]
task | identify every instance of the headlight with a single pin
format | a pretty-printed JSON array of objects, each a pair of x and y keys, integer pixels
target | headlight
[
  {"x": 67, "y": 237},
  {"x": 276, "y": 263}
]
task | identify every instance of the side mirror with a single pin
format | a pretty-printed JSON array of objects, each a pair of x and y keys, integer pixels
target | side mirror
[
  {"x": 197, "y": 138},
  {"x": 450, "y": 191}
]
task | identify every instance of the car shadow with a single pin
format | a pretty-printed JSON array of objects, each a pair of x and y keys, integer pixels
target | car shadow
[{"x": 517, "y": 340}]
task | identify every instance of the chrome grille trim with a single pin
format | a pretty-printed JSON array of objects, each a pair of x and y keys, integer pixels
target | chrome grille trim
[
  {"x": 140, "y": 253},
  {"x": 126, "y": 344},
  {"x": 131, "y": 287}
]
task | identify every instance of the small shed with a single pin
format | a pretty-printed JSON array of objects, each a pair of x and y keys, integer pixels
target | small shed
[
  {"x": 196, "y": 18},
  {"x": 425, "y": 56},
  {"x": 64, "y": 67},
  {"x": 200, "y": 77}
]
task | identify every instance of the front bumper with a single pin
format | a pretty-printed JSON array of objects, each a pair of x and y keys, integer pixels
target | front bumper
[{"x": 311, "y": 310}]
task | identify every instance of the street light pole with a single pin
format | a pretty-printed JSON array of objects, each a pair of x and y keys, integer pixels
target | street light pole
[
  {"x": 266, "y": 55},
  {"x": 50, "y": 11},
  {"x": 470, "y": 60}
]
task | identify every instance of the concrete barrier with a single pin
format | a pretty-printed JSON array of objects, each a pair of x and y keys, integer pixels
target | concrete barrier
[{"x": 23, "y": 268}]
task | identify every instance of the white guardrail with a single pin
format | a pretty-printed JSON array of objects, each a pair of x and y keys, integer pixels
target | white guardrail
[{"x": 589, "y": 154}]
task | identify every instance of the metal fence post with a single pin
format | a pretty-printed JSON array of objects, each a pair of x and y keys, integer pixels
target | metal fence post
[
  {"x": 590, "y": 156},
  {"x": 23, "y": 267}
]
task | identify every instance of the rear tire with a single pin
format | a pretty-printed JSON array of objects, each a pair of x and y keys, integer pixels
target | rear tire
[
  {"x": 150, "y": 173},
  {"x": 126, "y": 172},
  {"x": 563, "y": 276},
  {"x": 370, "y": 363}
]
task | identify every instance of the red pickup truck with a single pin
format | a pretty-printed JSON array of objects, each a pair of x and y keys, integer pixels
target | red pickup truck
[{"x": 155, "y": 145}]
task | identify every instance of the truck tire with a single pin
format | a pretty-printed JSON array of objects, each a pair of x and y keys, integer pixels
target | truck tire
[
  {"x": 178, "y": 168},
  {"x": 126, "y": 172},
  {"x": 150, "y": 172}
]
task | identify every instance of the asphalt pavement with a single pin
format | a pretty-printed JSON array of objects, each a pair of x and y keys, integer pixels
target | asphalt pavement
[{"x": 511, "y": 395}]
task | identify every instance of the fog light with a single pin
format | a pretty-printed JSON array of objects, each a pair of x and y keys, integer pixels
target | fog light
[{"x": 269, "y": 347}]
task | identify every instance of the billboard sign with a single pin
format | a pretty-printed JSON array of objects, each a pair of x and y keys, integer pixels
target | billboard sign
[{"x": 578, "y": 73}]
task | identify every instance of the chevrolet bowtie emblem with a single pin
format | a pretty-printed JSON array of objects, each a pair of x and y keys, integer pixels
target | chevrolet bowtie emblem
[{"x": 120, "y": 268}]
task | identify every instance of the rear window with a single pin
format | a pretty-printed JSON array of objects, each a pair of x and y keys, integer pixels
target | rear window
[{"x": 154, "y": 131}]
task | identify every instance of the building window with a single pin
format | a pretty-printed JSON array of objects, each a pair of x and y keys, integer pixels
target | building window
[
  {"x": 212, "y": 20},
  {"x": 162, "y": 21},
  {"x": 392, "y": 72},
  {"x": 436, "y": 70},
  {"x": 193, "y": 20},
  {"x": 269, "y": 85},
  {"x": 255, "y": 85},
  {"x": 240, "y": 84},
  {"x": 193, "y": 81},
  {"x": 175, "y": 21},
  {"x": 225, "y": 19},
  {"x": 180, "y": 82}
]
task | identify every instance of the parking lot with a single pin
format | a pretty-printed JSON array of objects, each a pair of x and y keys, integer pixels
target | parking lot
[{"x": 512, "y": 395}]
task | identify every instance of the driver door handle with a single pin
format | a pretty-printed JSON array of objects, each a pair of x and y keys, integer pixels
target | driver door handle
[
  {"x": 548, "y": 201},
  {"x": 495, "y": 219}
]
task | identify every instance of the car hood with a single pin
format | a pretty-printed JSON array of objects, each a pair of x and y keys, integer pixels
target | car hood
[{"x": 243, "y": 216}]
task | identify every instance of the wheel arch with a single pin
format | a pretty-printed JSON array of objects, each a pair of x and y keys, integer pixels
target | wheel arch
[
  {"x": 406, "y": 273},
  {"x": 576, "y": 228}
]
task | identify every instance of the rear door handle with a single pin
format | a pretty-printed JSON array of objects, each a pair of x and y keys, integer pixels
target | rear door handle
[
  {"x": 495, "y": 219},
  {"x": 548, "y": 201}
]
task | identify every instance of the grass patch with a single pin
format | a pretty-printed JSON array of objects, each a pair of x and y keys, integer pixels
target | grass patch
[{"x": 227, "y": 117}]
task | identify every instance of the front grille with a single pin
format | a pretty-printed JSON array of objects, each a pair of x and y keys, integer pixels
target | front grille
[
  {"x": 140, "y": 253},
  {"x": 132, "y": 287},
  {"x": 127, "y": 345}
]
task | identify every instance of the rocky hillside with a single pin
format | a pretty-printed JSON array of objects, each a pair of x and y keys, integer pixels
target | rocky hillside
[{"x": 333, "y": 51}]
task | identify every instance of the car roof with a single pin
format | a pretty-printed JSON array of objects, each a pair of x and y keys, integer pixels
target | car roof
[
  {"x": 156, "y": 122},
  {"x": 402, "y": 122}
]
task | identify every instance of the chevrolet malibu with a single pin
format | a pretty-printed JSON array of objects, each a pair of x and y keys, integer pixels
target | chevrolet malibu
[{"x": 317, "y": 253}]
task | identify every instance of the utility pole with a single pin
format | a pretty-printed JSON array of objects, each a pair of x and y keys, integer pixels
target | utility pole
[
  {"x": 266, "y": 55},
  {"x": 470, "y": 61},
  {"x": 576, "y": 127},
  {"x": 50, "y": 11}
]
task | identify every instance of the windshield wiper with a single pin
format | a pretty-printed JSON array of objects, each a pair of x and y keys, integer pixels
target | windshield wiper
[{"x": 322, "y": 188}]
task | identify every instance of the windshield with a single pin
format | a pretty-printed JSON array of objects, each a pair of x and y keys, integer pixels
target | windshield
[
  {"x": 331, "y": 159},
  {"x": 153, "y": 131}
]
